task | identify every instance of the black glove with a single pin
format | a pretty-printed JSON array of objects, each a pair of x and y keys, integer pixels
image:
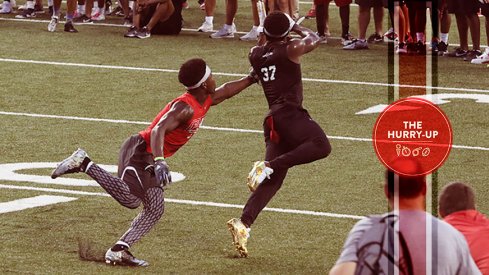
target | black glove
[{"x": 162, "y": 172}]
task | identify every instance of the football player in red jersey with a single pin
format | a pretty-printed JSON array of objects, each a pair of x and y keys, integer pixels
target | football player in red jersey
[
  {"x": 292, "y": 137},
  {"x": 143, "y": 170}
]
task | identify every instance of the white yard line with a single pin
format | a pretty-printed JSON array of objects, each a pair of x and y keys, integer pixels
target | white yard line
[
  {"x": 189, "y": 202},
  {"x": 319, "y": 80},
  {"x": 477, "y": 148},
  {"x": 26, "y": 203}
]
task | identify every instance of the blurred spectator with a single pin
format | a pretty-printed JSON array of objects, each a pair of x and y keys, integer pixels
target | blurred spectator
[
  {"x": 484, "y": 58},
  {"x": 451, "y": 256},
  {"x": 156, "y": 17},
  {"x": 364, "y": 20},
  {"x": 322, "y": 19},
  {"x": 467, "y": 18},
  {"x": 457, "y": 207}
]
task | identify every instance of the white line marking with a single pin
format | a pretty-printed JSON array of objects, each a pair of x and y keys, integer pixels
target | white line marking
[
  {"x": 21, "y": 204},
  {"x": 190, "y": 202},
  {"x": 348, "y": 82},
  {"x": 478, "y": 148},
  {"x": 183, "y": 29}
]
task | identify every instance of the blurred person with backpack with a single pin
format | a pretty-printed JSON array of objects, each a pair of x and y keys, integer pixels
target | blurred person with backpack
[{"x": 369, "y": 248}]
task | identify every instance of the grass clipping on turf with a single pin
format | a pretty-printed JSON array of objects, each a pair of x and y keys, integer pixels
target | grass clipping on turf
[{"x": 87, "y": 251}]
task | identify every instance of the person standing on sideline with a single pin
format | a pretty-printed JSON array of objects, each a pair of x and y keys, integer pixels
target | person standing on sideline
[
  {"x": 143, "y": 170},
  {"x": 457, "y": 207},
  {"x": 292, "y": 137}
]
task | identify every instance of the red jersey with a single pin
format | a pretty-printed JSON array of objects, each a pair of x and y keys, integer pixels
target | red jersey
[
  {"x": 179, "y": 136},
  {"x": 475, "y": 228}
]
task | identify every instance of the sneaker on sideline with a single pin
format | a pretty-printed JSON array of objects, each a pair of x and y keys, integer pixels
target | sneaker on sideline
[
  {"x": 251, "y": 35},
  {"x": 225, "y": 32},
  {"x": 481, "y": 59},
  {"x": 357, "y": 44},
  {"x": 206, "y": 27}
]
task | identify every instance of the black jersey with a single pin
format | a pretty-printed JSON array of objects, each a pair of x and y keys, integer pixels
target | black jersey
[{"x": 280, "y": 78}]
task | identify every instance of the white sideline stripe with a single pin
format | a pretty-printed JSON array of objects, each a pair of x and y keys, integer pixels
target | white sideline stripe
[
  {"x": 479, "y": 148},
  {"x": 190, "y": 202},
  {"x": 349, "y": 82},
  {"x": 26, "y": 203},
  {"x": 183, "y": 29}
]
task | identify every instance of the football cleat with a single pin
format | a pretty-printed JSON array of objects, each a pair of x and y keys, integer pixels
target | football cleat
[
  {"x": 123, "y": 257},
  {"x": 258, "y": 174},
  {"x": 53, "y": 23},
  {"x": 240, "y": 235},
  {"x": 73, "y": 164},
  {"x": 69, "y": 27}
]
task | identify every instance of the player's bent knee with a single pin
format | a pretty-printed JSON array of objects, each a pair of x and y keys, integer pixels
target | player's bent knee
[{"x": 323, "y": 146}]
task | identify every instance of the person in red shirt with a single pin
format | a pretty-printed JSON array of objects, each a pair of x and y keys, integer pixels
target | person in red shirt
[
  {"x": 143, "y": 170},
  {"x": 457, "y": 207}
]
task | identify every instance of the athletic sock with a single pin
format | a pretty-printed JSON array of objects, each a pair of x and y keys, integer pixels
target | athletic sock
[
  {"x": 30, "y": 4},
  {"x": 420, "y": 36},
  {"x": 209, "y": 19},
  {"x": 444, "y": 37}
]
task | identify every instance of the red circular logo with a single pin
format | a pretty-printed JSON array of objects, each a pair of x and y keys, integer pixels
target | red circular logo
[{"x": 416, "y": 129}]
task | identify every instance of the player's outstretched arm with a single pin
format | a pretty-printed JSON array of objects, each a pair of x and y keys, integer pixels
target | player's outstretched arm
[
  {"x": 232, "y": 88},
  {"x": 298, "y": 47},
  {"x": 179, "y": 113}
]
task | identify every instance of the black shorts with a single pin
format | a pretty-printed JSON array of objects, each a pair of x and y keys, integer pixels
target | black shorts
[
  {"x": 467, "y": 7},
  {"x": 369, "y": 3},
  {"x": 133, "y": 159},
  {"x": 485, "y": 10},
  {"x": 171, "y": 26}
]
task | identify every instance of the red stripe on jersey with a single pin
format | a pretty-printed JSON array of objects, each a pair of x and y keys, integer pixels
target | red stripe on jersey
[{"x": 179, "y": 136}]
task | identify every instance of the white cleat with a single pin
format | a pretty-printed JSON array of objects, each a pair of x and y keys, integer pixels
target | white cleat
[
  {"x": 53, "y": 23},
  {"x": 123, "y": 257},
  {"x": 72, "y": 164}
]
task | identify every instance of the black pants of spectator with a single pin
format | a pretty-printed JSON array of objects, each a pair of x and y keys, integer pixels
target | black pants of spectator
[{"x": 292, "y": 138}]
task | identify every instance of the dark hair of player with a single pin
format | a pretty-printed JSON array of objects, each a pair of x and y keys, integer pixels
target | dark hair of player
[
  {"x": 191, "y": 72},
  {"x": 455, "y": 197},
  {"x": 277, "y": 25}
]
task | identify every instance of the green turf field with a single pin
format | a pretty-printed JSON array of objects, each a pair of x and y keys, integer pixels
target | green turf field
[{"x": 193, "y": 239}]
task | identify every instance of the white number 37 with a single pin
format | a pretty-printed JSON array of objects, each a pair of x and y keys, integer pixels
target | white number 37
[{"x": 268, "y": 73}]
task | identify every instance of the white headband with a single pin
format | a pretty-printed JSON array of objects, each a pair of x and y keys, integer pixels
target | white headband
[
  {"x": 204, "y": 78},
  {"x": 291, "y": 25}
]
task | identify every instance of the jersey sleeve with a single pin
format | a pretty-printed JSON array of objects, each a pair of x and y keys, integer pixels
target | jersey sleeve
[{"x": 349, "y": 250}]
